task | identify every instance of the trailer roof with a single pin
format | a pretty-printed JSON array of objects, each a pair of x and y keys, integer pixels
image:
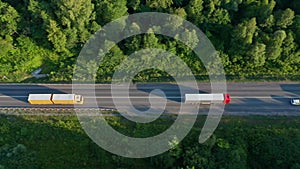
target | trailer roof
[
  {"x": 39, "y": 97},
  {"x": 204, "y": 97},
  {"x": 63, "y": 96}
]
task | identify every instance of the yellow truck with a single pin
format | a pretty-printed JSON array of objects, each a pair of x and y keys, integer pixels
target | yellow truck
[{"x": 55, "y": 99}]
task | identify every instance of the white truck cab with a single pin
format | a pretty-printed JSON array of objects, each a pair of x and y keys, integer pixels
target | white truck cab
[{"x": 295, "y": 101}]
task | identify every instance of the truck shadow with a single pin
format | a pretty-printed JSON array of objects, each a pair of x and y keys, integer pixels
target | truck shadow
[
  {"x": 246, "y": 106},
  {"x": 293, "y": 89},
  {"x": 20, "y": 93},
  {"x": 275, "y": 105},
  {"x": 172, "y": 92}
]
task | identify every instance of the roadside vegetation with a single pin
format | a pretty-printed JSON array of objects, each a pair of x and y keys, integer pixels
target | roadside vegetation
[
  {"x": 57, "y": 142},
  {"x": 256, "y": 39}
]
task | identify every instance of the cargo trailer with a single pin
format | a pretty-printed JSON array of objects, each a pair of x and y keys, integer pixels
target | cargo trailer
[
  {"x": 40, "y": 99},
  {"x": 207, "y": 98},
  {"x": 55, "y": 99}
]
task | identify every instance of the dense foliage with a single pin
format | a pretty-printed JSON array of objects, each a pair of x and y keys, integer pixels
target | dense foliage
[
  {"x": 257, "y": 38},
  {"x": 239, "y": 142}
]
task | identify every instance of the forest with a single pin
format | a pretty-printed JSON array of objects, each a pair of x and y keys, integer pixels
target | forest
[
  {"x": 255, "y": 39},
  {"x": 240, "y": 142}
]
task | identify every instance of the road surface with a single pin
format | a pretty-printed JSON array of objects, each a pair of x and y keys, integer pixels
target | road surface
[{"x": 247, "y": 98}]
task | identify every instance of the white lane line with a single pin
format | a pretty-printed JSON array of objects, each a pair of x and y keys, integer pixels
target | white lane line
[
  {"x": 108, "y": 97},
  {"x": 145, "y": 97},
  {"x": 133, "y": 97},
  {"x": 13, "y": 96},
  {"x": 261, "y": 97}
]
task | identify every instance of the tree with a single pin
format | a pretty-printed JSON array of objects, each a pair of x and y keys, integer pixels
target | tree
[
  {"x": 57, "y": 37},
  {"x": 232, "y": 5},
  {"x": 219, "y": 16},
  {"x": 256, "y": 55},
  {"x": 242, "y": 38},
  {"x": 236, "y": 157},
  {"x": 6, "y": 50},
  {"x": 132, "y": 44},
  {"x": 225, "y": 59},
  {"x": 134, "y": 4},
  {"x": 108, "y": 10},
  {"x": 274, "y": 45},
  {"x": 284, "y": 18},
  {"x": 169, "y": 158},
  {"x": 244, "y": 32},
  {"x": 179, "y": 12},
  {"x": 6, "y": 47},
  {"x": 289, "y": 55},
  {"x": 18, "y": 156},
  {"x": 76, "y": 18},
  {"x": 266, "y": 9},
  {"x": 109, "y": 64},
  {"x": 157, "y": 4},
  {"x": 9, "y": 19},
  {"x": 39, "y": 22},
  {"x": 194, "y": 11},
  {"x": 29, "y": 56},
  {"x": 269, "y": 22},
  {"x": 150, "y": 40},
  {"x": 260, "y": 9},
  {"x": 267, "y": 153},
  {"x": 296, "y": 28},
  {"x": 199, "y": 156},
  {"x": 190, "y": 37},
  {"x": 295, "y": 6},
  {"x": 288, "y": 46}
]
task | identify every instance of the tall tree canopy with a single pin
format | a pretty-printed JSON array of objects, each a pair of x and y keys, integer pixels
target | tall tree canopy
[{"x": 251, "y": 36}]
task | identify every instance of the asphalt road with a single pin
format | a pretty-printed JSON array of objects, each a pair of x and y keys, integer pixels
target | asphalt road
[{"x": 247, "y": 98}]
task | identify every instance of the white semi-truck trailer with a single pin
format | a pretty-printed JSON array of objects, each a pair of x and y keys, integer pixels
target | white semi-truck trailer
[
  {"x": 207, "y": 98},
  {"x": 55, "y": 99}
]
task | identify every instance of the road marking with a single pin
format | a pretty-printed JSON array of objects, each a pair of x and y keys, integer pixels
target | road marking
[
  {"x": 261, "y": 97},
  {"x": 133, "y": 97},
  {"x": 13, "y": 96},
  {"x": 146, "y": 97},
  {"x": 108, "y": 97}
]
